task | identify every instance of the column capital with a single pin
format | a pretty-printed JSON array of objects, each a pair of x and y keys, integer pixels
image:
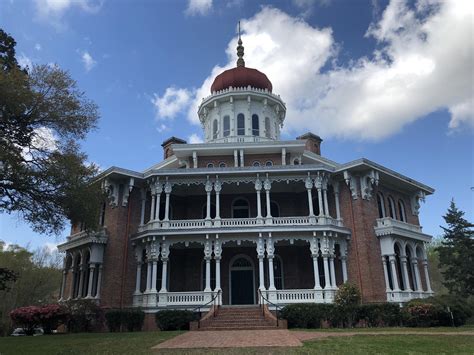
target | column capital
[
  {"x": 208, "y": 186},
  {"x": 267, "y": 185},
  {"x": 168, "y": 187},
  {"x": 309, "y": 183},
  {"x": 217, "y": 186},
  {"x": 258, "y": 184}
]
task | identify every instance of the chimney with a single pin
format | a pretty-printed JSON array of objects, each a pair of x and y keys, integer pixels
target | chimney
[
  {"x": 313, "y": 142},
  {"x": 167, "y": 150}
]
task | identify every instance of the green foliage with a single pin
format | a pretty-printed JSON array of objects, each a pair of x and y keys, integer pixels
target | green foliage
[
  {"x": 48, "y": 317},
  {"x": 84, "y": 316},
  {"x": 6, "y": 278},
  {"x": 379, "y": 314},
  {"x": 44, "y": 176},
  {"x": 456, "y": 253},
  {"x": 174, "y": 319},
  {"x": 38, "y": 280},
  {"x": 421, "y": 315},
  {"x": 346, "y": 300},
  {"x": 125, "y": 319},
  {"x": 436, "y": 276},
  {"x": 307, "y": 315}
]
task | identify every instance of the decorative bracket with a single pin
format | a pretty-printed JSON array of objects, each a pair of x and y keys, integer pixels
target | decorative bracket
[
  {"x": 366, "y": 184},
  {"x": 127, "y": 191},
  {"x": 415, "y": 202},
  {"x": 352, "y": 183}
]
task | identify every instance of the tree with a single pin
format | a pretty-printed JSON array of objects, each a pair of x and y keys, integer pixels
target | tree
[
  {"x": 436, "y": 276},
  {"x": 456, "y": 253},
  {"x": 44, "y": 177}
]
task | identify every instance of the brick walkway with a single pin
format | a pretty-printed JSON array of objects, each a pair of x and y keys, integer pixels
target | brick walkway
[{"x": 268, "y": 338}]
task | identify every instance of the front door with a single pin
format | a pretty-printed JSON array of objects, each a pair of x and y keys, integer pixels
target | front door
[{"x": 242, "y": 287}]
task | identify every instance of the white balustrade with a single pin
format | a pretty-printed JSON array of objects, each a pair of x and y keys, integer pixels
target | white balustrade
[
  {"x": 238, "y": 222},
  {"x": 187, "y": 223},
  {"x": 405, "y": 296},
  {"x": 291, "y": 221},
  {"x": 390, "y": 222}
]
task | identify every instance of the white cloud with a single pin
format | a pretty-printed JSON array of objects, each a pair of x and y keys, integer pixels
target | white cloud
[
  {"x": 171, "y": 103},
  {"x": 50, "y": 247},
  {"x": 52, "y": 11},
  {"x": 43, "y": 140},
  {"x": 198, "y": 7},
  {"x": 307, "y": 6},
  {"x": 194, "y": 138},
  {"x": 38, "y": 46},
  {"x": 88, "y": 61},
  {"x": 24, "y": 61},
  {"x": 423, "y": 63}
]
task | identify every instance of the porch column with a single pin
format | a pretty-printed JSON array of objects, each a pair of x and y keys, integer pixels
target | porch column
[
  {"x": 325, "y": 196},
  {"x": 152, "y": 210},
  {"x": 385, "y": 274},
  {"x": 406, "y": 279},
  {"x": 99, "y": 281},
  {"x": 91, "y": 280},
  {"x": 158, "y": 190},
  {"x": 314, "y": 248},
  {"x": 318, "y": 182},
  {"x": 270, "y": 254},
  {"x": 153, "y": 275},
  {"x": 207, "y": 258},
  {"x": 309, "y": 186},
  {"x": 165, "y": 252},
  {"x": 81, "y": 280},
  {"x": 427, "y": 276},
  {"x": 261, "y": 255},
  {"x": 326, "y": 272},
  {"x": 335, "y": 186},
  {"x": 142, "y": 210},
  {"x": 208, "y": 189},
  {"x": 168, "y": 189},
  {"x": 333, "y": 271},
  {"x": 63, "y": 285},
  {"x": 418, "y": 285},
  {"x": 344, "y": 268},
  {"x": 393, "y": 262},
  {"x": 217, "y": 258},
  {"x": 258, "y": 189},
  {"x": 139, "y": 278},
  {"x": 217, "y": 189},
  {"x": 148, "y": 276},
  {"x": 267, "y": 186}
]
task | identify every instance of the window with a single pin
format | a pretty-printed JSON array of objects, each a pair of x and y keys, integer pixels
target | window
[
  {"x": 240, "y": 209},
  {"x": 210, "y": 165},
  {"x": 296, "y": 161},
  {"x": 222, "y": 164},
  {"x": 226, "y": 126},
  {"x": 214, "y": 129},
  {"x": 278, "y": 272},
  {"x": 255, "y": 125},
  {"x": 391, "y": 208},
  {"x": 256, "y": 163},
  {"x": 241, "y": 124},
  {"x": 401, "y": 211},
  {"x": 269, "y": 163},
  {"x": 381, "y": 205},
  {"x": 268, "y": 134}
]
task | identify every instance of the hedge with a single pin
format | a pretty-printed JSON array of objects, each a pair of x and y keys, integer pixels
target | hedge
[
  {"x": 130, "y": 319},
  {"x": 174, "y": 319}
]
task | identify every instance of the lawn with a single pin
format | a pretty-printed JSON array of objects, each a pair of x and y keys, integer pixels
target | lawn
[{"x": 140, "y": 343}]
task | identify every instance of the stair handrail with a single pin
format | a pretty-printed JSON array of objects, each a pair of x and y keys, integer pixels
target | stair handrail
[
  {"x": 213, "y": 300},
  {"x": 262, "y": 305}
]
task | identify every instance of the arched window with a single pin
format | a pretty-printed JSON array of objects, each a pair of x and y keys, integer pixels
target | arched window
[
  {"x": 391, "y": 208},
  {"x": 240, "y": 209},
  {"x": 399, "y": 270},
  {"x": 256, "y": 163},
  {"x": 316, "y": 209},
  {"x": 381, "y": 205},
  {"x": 278, "y": 272},
  {"x": 241, "y": 124},
  {"x": 268, "y": 134},
  {"x": 296, "y": 161},
  {"x": 401, "y": 210},
  {"x": 226, "y": 126},
  {"x": 255, "y": 125},
  {"x": 269, "y": 163},
  {"x": 214, "y": 129},
  {"x": 210, "y": 165},
  {"x": 222, "y": 164}
]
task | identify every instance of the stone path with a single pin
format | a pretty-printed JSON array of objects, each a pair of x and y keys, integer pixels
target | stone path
[{"x": 268, "y": 338}]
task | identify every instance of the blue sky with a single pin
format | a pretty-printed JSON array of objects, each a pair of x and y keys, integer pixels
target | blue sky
[{"x": 389, "y": 81}]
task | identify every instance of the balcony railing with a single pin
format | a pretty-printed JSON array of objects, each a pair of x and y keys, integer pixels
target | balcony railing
[
  {"x": 186, "y": 224},
  {"x": 388, "y": 226},
  {"x": 405, "y": 296},
  {"x": 390, "y": 222}
]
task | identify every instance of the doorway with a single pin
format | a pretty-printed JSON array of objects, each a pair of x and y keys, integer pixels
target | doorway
[{"x": 242, "y": 280}]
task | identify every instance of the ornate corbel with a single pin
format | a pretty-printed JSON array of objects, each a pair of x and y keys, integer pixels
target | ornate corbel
[
  {"x": 165, "y": 250},
  {"x": 217, "y": 248},
  {"x": 112, "y": 191},
  {"x": 415, "y": 202},
  {"x": 207, "y": 248},
  {"x": 352, "y": 183},
  {"x": 309, "y": 183},
  {"x": 366, "y": 184},
  {"x": 267, "y": 185},
  {"x": 127, "y": 190},
  {"x": 258, "y": 184},
  {"x": 260, "y": 246}
]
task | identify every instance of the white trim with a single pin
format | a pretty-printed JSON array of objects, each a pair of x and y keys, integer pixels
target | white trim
[{"x": 231, "y": 262}]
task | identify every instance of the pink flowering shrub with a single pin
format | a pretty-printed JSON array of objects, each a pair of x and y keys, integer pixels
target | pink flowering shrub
[
  {"x": 48, "y": 317},
  {"x": 421, "y": 315}
]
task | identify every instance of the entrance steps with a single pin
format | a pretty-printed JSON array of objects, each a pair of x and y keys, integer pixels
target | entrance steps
[{"x": 238, "y": 318}]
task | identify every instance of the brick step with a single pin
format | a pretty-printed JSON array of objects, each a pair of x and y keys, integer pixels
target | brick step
[
  {"x": 239, "y": 328},
  {"x": 223, "y": 322},
  {"x": 253, "y": 316}
]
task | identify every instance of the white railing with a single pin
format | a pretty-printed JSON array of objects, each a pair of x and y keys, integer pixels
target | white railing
[
  {"x": 405, "y": 296},
  {"x": 390, "y": 222},
  {"x": 187, "y": 223},
  {"x": 238, "y": 222},
  {"x": 291, "y": 221},
  {"x": 283, "y": 297},
  {"x": 186, "y": 298}
]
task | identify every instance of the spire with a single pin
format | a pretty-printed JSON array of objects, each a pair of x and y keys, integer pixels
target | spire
[{"x": 240, "y": 52}]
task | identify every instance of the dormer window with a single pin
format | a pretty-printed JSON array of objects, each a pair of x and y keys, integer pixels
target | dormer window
[
  {"x": 255, "y": 125},
  {"x": 222, "y": 164},
  {"x": 210, "y": 165}
]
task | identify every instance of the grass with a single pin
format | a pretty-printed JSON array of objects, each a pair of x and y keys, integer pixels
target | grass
[
  {"x": 140, "y": 343},
  {"x": 465, "y": 328}
]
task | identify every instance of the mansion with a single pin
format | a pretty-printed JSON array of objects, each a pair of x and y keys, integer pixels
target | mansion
[{"x": 246, "y": 214}]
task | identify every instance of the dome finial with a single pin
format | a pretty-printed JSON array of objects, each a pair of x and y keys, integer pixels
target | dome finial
[{"x": 240, "y": 52}]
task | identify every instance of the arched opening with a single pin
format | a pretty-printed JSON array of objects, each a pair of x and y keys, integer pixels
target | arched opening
[
  {"x": 420, "y": 255},
  {"x": 226, "y": 126},
  {"x": 240, "y": 208},
  {"x": 401, "y": 211},
  {"x": 411, "y": 279},
  {"x": 213, "y": 211},
  {"x": 256, "y": 163},
  {"x": 143, "y": 271},
  {"x": 163, "y": 209},
  {"x": 214, "y": 129},
  {"x": 381, "y": 205},
  {"x": 255, "y": 125},
  {"x": 268, "y": 134},
  {"x": 391, "y": 208},
  {"x": 76, "y": 275},
  {"x": 268, "y": 163},
  {"x": 399, "y": 267},
  {"x": 338, "y": 265},
  {"x": 389, "y": 272},
  {"x": 210, "y": 165},
  {"x": 87, "y": 270},
  {"x": 316, "y": 209},
  {"x": 241, "y": 124},
  {"x": 222, "y": 164},
  {"x": 242, "y": 280}
]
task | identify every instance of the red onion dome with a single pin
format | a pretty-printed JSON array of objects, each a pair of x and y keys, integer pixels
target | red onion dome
[{"x": 241, "y": 77}]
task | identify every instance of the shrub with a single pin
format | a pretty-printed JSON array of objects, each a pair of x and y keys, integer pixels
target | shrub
[
  {"x": 379, "y": 315},
  {"x": 421, "y": 315},
  {"x": 174, "y": 319},
  {"x": 84, "y": 316},
  {"x": 48, "y": 317},
  {"x": 347, "y": 300},
  {"x": 130, "y": 319},
  {"x": 307, "y": 315},
  {"x": 27, "y": 318},
  {"x": 51, "y": 316}
]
